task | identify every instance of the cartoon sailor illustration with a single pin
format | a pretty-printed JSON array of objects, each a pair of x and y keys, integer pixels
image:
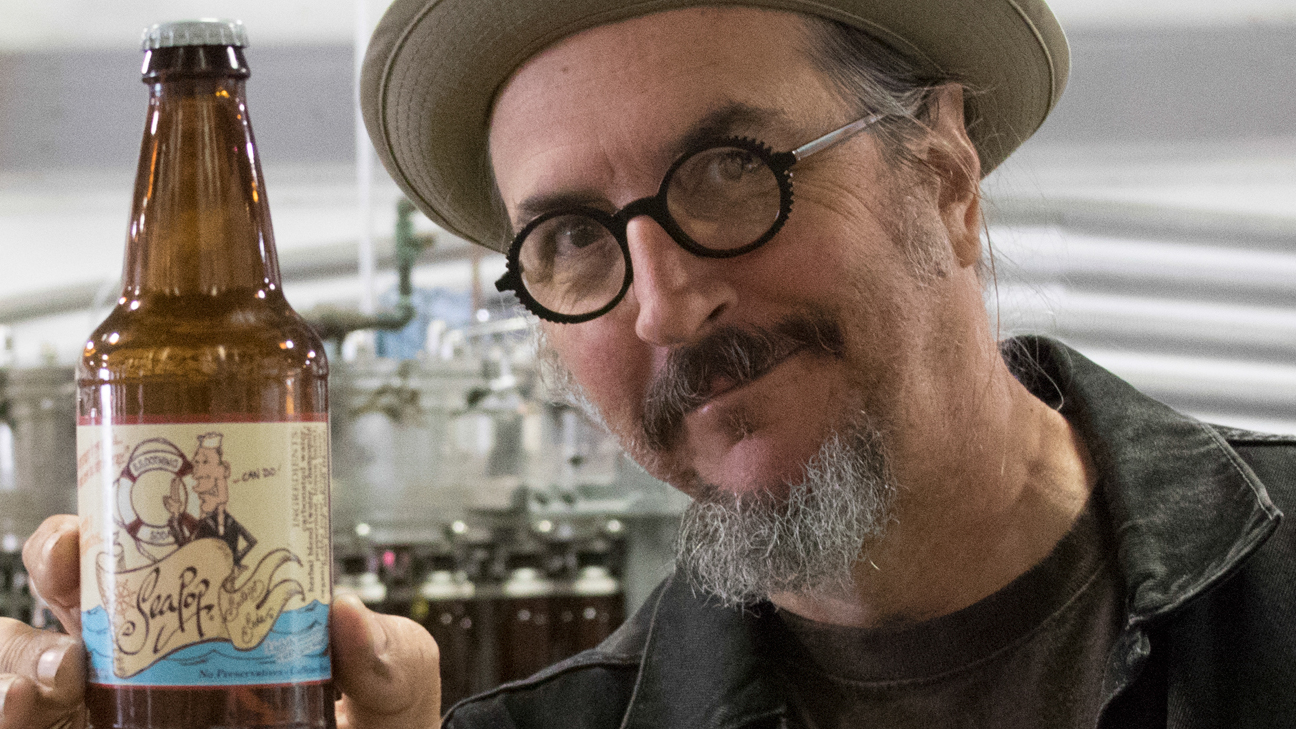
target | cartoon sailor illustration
[{"x": 211, "y": 474}]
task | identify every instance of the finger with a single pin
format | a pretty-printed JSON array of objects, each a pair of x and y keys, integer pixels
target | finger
[
  {"x": 53, "y": 559},
  {"x": 21, "y": 707},
  {"x": 45, "y": 675},
  {"x": 17, "y": 702},
  {"x": 387, "y": 667}
]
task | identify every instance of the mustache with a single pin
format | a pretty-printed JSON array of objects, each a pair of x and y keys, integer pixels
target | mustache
[{"x": 733, "y": 355}]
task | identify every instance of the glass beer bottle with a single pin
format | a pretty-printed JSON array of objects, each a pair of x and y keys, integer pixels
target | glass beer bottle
[{"x": 202, "y": 439}]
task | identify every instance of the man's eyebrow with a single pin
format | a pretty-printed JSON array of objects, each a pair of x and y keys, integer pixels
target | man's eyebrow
[
  {"x": 541, "y": 203},
  {"x": 729, "y": 120}
]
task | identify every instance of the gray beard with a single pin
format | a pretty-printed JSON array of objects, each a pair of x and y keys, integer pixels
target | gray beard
[{"x": 743, "y": 548}]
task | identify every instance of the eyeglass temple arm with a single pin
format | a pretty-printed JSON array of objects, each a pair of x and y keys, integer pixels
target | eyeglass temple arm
[{"x": 835, "y": 136}]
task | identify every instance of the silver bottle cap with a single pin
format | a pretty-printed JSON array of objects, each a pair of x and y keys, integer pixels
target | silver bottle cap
[{"x": 203, "y": 32}]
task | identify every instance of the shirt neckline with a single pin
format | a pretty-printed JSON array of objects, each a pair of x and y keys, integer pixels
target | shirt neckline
[{"x": 956, "y": 642}]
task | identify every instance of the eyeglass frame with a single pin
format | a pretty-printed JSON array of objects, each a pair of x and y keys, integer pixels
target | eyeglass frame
[{"x": 655, "y": 207}]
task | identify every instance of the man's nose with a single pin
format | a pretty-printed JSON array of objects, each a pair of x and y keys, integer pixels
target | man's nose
[{"x": 678, "y": 294}]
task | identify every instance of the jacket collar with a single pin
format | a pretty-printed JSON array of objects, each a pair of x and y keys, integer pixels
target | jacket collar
[
  {"x": 1184, "y": 509},
  {"x": 701, "y": 665}
]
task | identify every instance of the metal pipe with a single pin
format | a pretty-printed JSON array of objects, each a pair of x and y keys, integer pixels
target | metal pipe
[{"x": 334, "y": 323}]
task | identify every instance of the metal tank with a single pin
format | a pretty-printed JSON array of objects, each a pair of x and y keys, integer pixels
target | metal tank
[
  {"x": 420, "y": 443},
  {"x": 37, "y": 449}
]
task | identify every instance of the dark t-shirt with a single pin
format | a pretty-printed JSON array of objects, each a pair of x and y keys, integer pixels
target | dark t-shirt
[{"x": 1030, "y": 655}]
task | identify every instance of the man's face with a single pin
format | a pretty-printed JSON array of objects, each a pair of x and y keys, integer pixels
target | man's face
[
  {"x": 599, "y": 118},
  {"x": 210, "y": 479}
]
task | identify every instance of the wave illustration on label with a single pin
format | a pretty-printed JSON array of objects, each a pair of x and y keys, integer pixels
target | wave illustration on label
[
  {"x": 191, "y": 596},
  {"x": 295, "y": 651},
  {"x": 179, "y": 574}
]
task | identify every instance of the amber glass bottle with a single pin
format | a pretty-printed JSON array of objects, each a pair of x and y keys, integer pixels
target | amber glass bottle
[{"x": 203, "y": 432}]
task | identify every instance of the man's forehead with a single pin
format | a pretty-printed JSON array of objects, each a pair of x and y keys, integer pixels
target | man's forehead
[
  {"x": 651, "y": 86},
  {"x": 708, "y": 32}
]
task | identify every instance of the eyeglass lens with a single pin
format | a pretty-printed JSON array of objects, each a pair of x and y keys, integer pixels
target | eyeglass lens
[
  {"x": 572, "y": 264},
  {"x": 722, "y": 198}
]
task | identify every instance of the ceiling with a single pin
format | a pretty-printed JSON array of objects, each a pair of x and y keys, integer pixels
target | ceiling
[{"x": 33, "y": 24}]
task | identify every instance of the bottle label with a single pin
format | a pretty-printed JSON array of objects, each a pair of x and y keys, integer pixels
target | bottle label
[{"x": 205, "y": 552}]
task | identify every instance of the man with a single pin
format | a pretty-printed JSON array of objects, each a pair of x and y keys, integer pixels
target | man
[
  {"x": 753, "y": 236},
  {"x": 211, "y": 474}
]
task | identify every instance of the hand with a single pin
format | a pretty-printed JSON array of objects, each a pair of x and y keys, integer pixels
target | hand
[
  {"x": 42, "y": 673},
  {"x": 387, "y": 667},
  {"x": 175, "y": 503}
]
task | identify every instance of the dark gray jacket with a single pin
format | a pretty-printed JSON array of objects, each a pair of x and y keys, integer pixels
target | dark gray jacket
[{"x": 1210, "y": 636}]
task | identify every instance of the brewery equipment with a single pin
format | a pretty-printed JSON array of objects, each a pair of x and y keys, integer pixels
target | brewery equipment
[{"x": 37, "y": 447}]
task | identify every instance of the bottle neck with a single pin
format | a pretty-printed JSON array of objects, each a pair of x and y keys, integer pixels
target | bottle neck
[{"x": 200, "y": 223}]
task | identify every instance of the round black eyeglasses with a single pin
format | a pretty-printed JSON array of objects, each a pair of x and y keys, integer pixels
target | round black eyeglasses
[{"x": 721, "y": 200}]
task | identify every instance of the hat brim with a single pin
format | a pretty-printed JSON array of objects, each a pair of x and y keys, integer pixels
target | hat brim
[{"x": 434, "y": 67}]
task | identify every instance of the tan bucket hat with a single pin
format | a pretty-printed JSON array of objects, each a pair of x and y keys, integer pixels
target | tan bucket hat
[{"x": 433, "y": 68}]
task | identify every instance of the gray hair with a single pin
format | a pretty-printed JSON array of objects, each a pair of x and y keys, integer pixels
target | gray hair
[
  {"x": 741, "y": 548},
  {"x": 873, "y": 77}
]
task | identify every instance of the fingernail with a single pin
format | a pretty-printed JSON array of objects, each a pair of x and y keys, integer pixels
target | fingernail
[
  {"x": 51, "y": 660},
  {"x": 5, "y": 683},
  {"x": 50, "y": 542},
  {"x": 377, "y": 636}
]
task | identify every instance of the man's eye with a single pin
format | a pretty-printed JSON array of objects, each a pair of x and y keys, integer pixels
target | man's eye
[
  {"x": 717, "y": 175},
  {"x": 565, "y": 243},
  {"x": 729, "y": 166},
  {"x": 576, "y": 233}
]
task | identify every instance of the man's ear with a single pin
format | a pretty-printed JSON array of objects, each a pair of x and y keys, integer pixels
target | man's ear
[{"x": 956, "y": 172}]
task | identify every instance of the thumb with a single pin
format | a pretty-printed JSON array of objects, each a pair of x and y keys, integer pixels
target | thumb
[
  {"x": 42, "y": 675},
  {"x": 387, "y": 667}
]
